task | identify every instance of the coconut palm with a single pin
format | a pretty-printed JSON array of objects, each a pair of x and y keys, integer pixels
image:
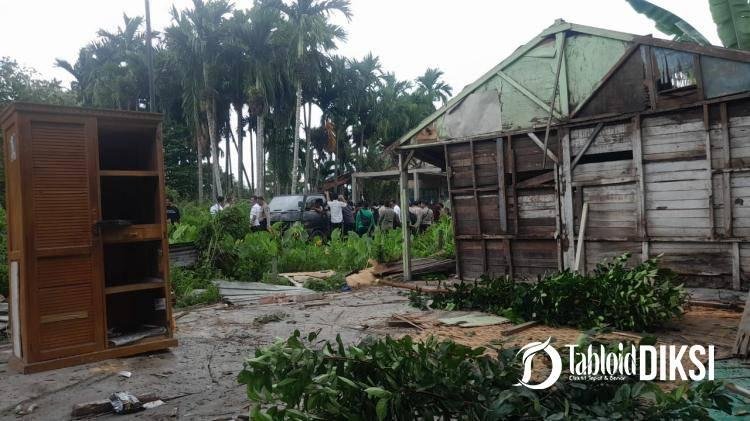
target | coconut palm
[
  {"x": 431, "y": 86},
  {"x": 307, "y": 22},
  {"x": 197, "y": 35}
]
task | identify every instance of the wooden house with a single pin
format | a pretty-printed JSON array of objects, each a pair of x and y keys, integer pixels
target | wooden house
[{"x": 646, "y": 141}]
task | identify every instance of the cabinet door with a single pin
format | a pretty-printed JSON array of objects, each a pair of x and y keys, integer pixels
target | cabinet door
[{"x": 64, "y": 282}]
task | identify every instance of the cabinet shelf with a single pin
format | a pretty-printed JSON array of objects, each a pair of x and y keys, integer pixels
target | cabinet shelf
[
  {"x": 128, "y": 173},
  {"x": 132, "y": 234},
  {"x": 153, "y": 283}
]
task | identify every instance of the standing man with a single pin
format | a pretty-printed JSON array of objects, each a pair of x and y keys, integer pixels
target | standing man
[
  {"x": 255, "y": 211},
  {"x": 348, "y": 214},
  {"x": 218, "y": 206},
  {"x": 386, "y": 217},
  {"x": 415, "y": 216},
  {"x": 264, "y": 215},
  {"x": 173, "y": 213},
  {"x": 427, "y": 216},
  {"x": 397, "y": 211},
  {"x": 365, "y": 220},
  {"x": 336, "y": 207}
]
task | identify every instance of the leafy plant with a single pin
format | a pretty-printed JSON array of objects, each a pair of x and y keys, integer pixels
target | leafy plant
[
  {"x": 668, "y": 22},
  {"x": 185, "y": 282},
  {"x": 732, "y": 19},
  {"x": 436, "y": 241},
  {"x": 639, "y": 298},
  {"x": 403, "y": 379},
  {"x": 331, "y": 283}
]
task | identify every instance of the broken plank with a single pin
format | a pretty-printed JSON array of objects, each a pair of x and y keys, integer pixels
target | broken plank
[
  {"x": 539, "y": 143},
  {"x": 519, "y": 328}
]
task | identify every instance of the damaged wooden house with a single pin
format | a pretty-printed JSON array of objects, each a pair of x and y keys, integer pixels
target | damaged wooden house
[{"x": 587, "y": 143}]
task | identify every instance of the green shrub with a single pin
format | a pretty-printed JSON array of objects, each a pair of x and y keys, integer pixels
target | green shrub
[
  {"x": 402, "y": 379},
  {"x": 185, "y": 282},
  {"x": 436, "y": 241},
  {"x": 639, "y": 298},
  {"x": 331, "y": 283}
]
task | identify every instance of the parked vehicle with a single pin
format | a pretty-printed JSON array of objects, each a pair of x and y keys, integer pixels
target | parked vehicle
[{"x": 300, "y": 208}]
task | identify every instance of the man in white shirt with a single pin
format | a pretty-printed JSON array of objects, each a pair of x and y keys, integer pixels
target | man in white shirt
[
  {"x": 255, "y": 211},
  {"x": 218, "y": 206},
  {"x": 336, "y": 206},
  {"x": 397, "y": 209}
]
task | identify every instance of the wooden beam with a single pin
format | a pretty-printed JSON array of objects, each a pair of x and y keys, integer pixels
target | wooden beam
[
  {"x": 406, "y": 234},
  {"x": 709, "y": 170},
  {"x": 588, "y": 143},
  {"x": 736, "y": 275},
  {"x": 537, "y": 180},
  {"x": 728, "y": 205},
  {"x": 539, "y": 143},
  {"x": 567, "y": 202},
  {"x": 726, "y": 149},
  {"x": 581, "y": 236},
  {"x": 637, "y": 147},
  {"x": 449, "y": 175},
  {"x": 527, "y": 93},
  {"x": 560, "y": 48},
  {"x": 501, "y": 197},
  {"x": 514, "y": 183}
]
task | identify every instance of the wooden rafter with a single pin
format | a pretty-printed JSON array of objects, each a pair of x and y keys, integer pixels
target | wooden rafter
[{"x": 588, "y": 143}]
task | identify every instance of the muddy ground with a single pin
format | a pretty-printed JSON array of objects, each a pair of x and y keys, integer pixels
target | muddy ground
[{"x": 199, "y": 376}]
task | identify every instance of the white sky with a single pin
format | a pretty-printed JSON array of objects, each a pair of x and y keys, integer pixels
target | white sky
[{"x": 464, "y": 38}]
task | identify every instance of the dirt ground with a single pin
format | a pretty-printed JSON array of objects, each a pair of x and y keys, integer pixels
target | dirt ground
[{"x": 198, "y": 378}]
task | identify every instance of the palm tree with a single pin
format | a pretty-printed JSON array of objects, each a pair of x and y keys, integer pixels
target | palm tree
[
  {"x": 307, "y": 20},
  {"x": 199, "y": 33},
  {"x": 264, "y": 52},
  {"x": 430, "y": 85}
]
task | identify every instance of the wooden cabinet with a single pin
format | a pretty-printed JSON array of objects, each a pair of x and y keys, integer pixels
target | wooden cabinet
[{"x": 87, "y": 247}]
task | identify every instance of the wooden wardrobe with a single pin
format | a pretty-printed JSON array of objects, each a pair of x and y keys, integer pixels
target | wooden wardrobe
[{"x": 87, "y": 239}]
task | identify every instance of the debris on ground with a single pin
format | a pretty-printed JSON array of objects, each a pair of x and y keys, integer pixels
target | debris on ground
[
  {"x": 299, "y": 278},
  {"x": 474, "y": 320},
  {"x": 276, "y": 316},
  {"x": 117, "y": 400},
  {"x": 422, "y": 266},
  {"x": 26, "y": 408},
  {"x": 258, "y": 292}
]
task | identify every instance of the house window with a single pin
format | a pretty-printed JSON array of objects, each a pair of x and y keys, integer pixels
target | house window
[{"x": 675, "y": 70}]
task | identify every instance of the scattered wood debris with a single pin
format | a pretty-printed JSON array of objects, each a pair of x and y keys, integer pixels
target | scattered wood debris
[
  {"x": 299, "y": 278},
  {"x": 258, "y": 292},
  {"x": 422, "y": 266}
]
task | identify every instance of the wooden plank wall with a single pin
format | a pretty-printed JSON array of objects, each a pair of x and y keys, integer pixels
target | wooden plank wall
[{"x": 675, "y": 183}]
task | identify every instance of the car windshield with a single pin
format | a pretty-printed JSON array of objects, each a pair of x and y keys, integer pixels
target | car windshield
[{"x": 285, "y": 203}]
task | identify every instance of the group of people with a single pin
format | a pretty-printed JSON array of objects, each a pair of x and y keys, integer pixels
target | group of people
[
  {"x": 363, "y": 218},
  {"x": 260, "y": 213}
]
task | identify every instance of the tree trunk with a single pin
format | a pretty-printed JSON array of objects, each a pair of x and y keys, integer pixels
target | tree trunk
[
  {"x": 199, "y": 150},
  {"x": 308, "y": 151},
  {"x": 213, "y": 138},
  {"x": 228, "y": 158},
  {"x": 240, "y": 139},
  {"x": 260, "y": 154},
  {"x": 251, "y": 187},
  {"x": 297, "y": 109}
]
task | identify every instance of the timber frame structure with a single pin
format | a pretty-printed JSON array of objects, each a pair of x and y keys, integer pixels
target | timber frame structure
[{"x": 587, "y": 143}]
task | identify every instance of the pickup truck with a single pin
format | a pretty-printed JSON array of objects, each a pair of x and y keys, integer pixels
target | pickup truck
[{"x": 297, "y": 208}]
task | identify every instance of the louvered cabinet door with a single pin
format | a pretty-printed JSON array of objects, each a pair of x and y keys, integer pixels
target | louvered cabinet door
[{"x": 61, "y": 173}]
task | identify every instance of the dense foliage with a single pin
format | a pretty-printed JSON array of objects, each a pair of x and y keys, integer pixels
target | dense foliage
[
  {"x": 228, "y": 249},
  {"x": 638, "y": 298},
  {"x": 403, "y": 379}
]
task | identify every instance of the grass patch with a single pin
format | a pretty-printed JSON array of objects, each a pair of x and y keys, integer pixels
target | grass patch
[{"x": 331, "y": 283}]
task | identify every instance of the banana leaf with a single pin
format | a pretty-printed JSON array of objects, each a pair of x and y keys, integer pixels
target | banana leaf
[
  {"x": 669, "y": 23},
  {"x": 732, "y": 19}
]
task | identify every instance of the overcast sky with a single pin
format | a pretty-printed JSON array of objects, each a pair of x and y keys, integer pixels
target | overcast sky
[{"x": 464, "y": 38}]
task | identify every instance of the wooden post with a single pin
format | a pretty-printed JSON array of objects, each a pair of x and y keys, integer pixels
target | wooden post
[
  {"x": 355, "y": 189},
  {"x": 581, "y": 235},
  {"x": 567, "y": 202},
  {"x": 637, "y": 146},
  {"x": 709, "y": 170},
  {"x": 403, "y": 167},
  {"x": 502, "y": 200},
  {"x": 726, "y": 177},
  {"x": 736, "y": 278},
  {"x": 416, "y": 185}
]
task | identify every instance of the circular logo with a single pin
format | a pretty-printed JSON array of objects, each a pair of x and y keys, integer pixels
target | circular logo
[{"x": 528, "y": 356}]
